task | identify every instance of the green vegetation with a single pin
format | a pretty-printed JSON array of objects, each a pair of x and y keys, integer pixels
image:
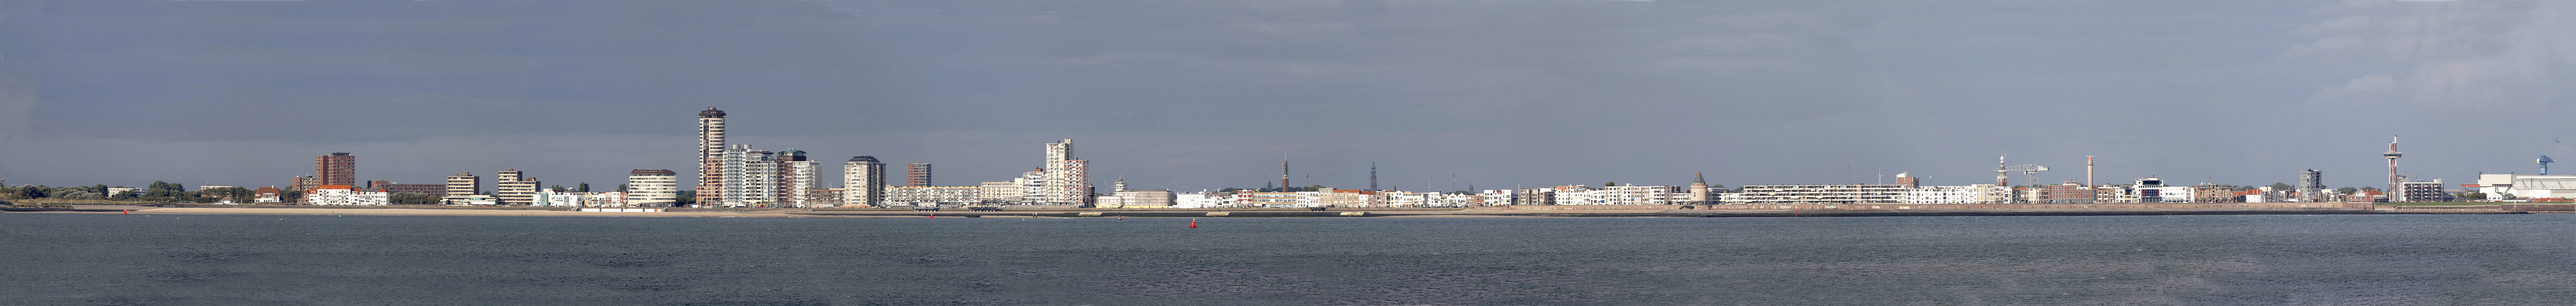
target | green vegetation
[{"x": 157, "y": 192}]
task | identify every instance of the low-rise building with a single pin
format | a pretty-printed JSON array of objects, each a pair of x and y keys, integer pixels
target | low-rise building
[
  {"x": 931, "y": 196},
  {"x": 1823, "y": 194},
  {"x": 1001, "y": 193},
  {"x": 1196, "y": 200},
  {"x": 268, "y": 195},
  {"x": 2424, "y": 191},
  {"x": 1140, "y": 198},
  {"x": 344, "y": 195},
  {"x": 391, "y": 187},
  {"x": 1942, "y": 195}
]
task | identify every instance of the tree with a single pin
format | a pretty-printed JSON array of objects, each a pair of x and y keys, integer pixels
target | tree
[
  {"x": 412, "y": 198},
  {"x": 2473, "y": 195},
  {"x": 689, "y": 197},
  {"x": 2346, "y": 190},
  {"x": 2281, "y": 186},
  {"x": 2369, "y": 188},
  {"x": 1609, "y": 183},
  {"x": 32, "y": 192},
  {"x": 621, "y": 187},
  {"x": 585, "y": 187},
  {"x": 290, "y": 196},
  {"x": 557, "y": 188},
  {"x": 1716, "y": 186}
]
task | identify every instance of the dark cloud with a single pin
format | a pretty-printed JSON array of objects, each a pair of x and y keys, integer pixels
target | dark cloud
[{"x": 1209, "y": 94}]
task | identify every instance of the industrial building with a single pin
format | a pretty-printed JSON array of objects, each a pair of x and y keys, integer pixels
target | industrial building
[{"x": 2513, "y": 186}]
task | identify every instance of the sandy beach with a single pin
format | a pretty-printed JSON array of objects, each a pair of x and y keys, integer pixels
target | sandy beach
[{"x": 1191, "y": 213}]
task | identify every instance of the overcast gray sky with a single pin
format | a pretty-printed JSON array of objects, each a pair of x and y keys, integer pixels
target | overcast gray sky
[{"x": 1203, "y": 94}]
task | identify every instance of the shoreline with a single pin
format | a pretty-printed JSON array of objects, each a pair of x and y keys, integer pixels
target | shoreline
[{"x": 1212, "y": 213}]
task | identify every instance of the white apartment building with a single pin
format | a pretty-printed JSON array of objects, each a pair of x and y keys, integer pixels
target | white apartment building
[
  {"x": 932, "y": 196},
  {"x": 1578, "y": 195},
  {"x": 1946, "y": 194},
  {"x": 1147, "y": 198},
  {"x": 1271, "y": 199},
  {"x": 1499, "y": 197},
  {"x": 863, "y": 182},
  {"x": 652, "y": 187},
  {"x": 1643, "y": 195},
  {"x": 750, "y": 178},
  {"x": 798, "y": 171},
  {"x": 1196, "y": 200},
  {"x": 1823, "y": 194},
  {"x": 1067, "y": 181},
  {"x": 342, "y": 195},
  {"x": 607, "y": 199},
  {"x": 1032, "y": 185},
  {"x": 550, "y": 198},
  {"x": 1004, "y": 193}
]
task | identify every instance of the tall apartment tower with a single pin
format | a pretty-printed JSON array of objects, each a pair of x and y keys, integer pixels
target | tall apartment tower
[
  {"x": 919, "y": 173},
  {"x": 1066, "y": 181},
  {"x": 1373, "y": 176},
  {"x": 339, "y": 168},
  {"x": 513, "y": 188},
  {"x": 2394, "y": 192},
  {"x": 750, "y": 180},
  {"x": 797, "y": 176},
  {"x": 862, "y": 182},
  {"x": 652, "y": 187},
  {"x": 2312, "y": 186},
  {"x": 464, "y": 183},
  {"x": 711, "y": 147}
]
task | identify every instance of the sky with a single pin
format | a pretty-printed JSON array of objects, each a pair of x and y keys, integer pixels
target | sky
[{"x": 1207, "y": 94}]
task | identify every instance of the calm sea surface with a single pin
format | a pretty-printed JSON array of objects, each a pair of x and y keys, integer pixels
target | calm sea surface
[{"x": 143, "y": 259}]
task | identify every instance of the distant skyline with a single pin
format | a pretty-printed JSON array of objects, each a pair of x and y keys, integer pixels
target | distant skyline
[{"x": 1210, "y": 94}]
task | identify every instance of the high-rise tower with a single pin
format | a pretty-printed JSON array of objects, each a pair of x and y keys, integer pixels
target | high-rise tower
[
  {"x": 2312, "y": 186},
  {"x": 339, "y": 168},
  {"x": 797, "y": 176},
  {"x": 711, "y": 147},
  {"x": 1066, "y": 181},
  {"x": 862, "y": 182},
  {"x": 752, "y": 179},
  {"x": 919, "y": 175},
  {"x": 2393, "y": 192}
]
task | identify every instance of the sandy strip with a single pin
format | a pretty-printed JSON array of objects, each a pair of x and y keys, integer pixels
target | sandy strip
[{"x": 425, "y": 212}]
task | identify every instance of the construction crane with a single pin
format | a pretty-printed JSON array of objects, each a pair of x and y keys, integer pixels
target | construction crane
[
  {"x": 2030, "y": 172},
  {"x": 2544, "y": 164}
]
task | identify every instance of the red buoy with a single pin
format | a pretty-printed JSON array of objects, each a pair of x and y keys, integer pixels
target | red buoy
[
  {"x": 124, "y": 212},
  {"x": 1194, "y": 223}
]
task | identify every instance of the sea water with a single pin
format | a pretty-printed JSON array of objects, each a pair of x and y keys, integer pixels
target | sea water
[{"x": 152, "y": 259}]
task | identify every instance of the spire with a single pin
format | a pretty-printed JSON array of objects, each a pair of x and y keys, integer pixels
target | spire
[{"x": 1696, "y": 178}]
